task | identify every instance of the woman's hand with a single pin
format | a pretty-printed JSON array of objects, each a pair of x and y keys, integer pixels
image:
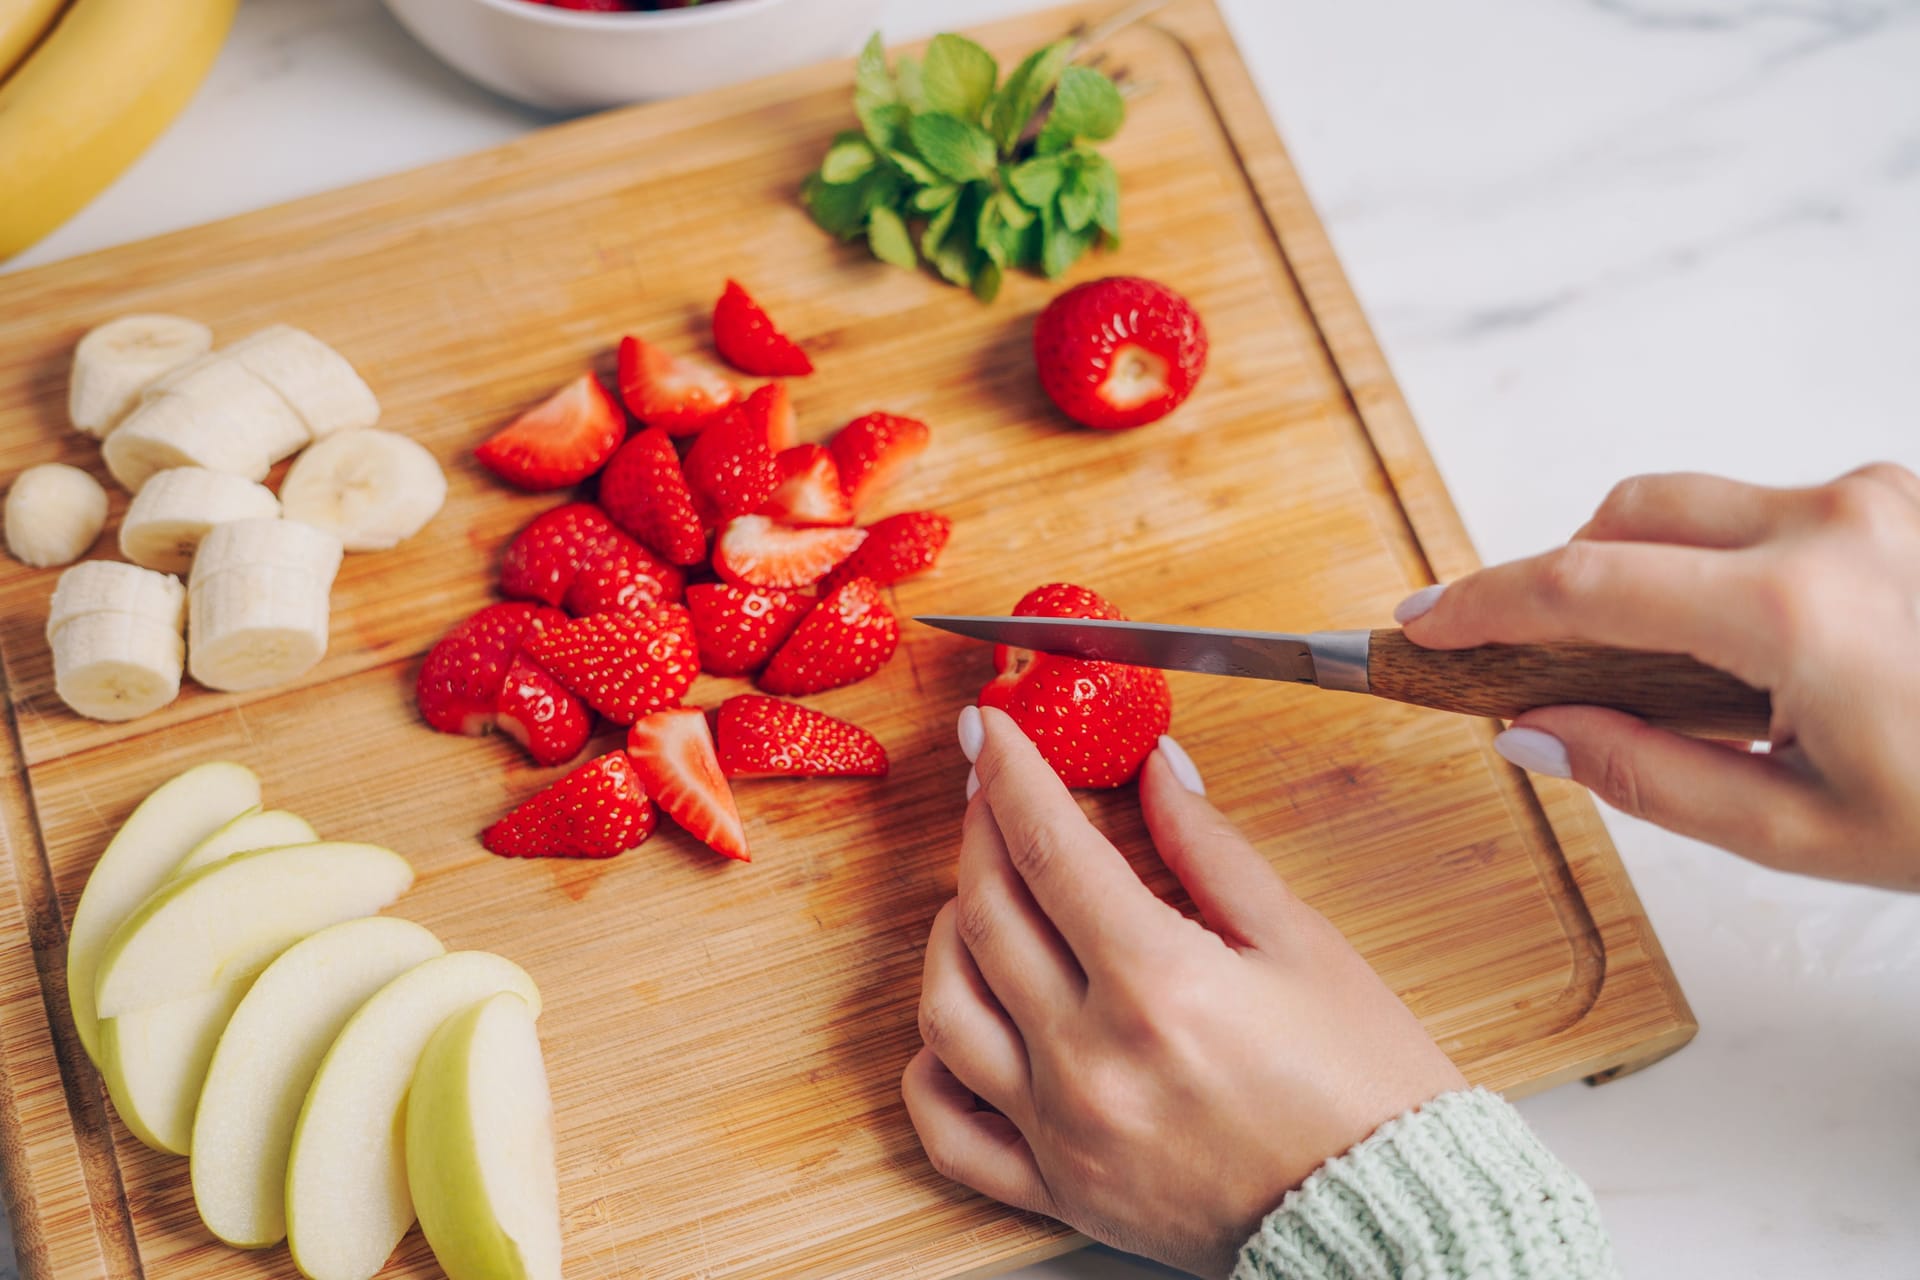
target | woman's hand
[
  {"x": 1811, "y": 594},
  {"x": 1156, "y": 1082}
]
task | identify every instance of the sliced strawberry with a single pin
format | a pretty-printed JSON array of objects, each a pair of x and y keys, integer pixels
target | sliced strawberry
[
  {"x": 597, "y": 811},
  {"x": 1120, "y": 352},
  {"x": 678, "y": 394},
  {"x": 621, "y": 666},
  {"x": 673, "y": 753},
  {"x": 753, "y": 551},
  {"x": 621, "y": 576},
  {"x": 897, "y": 547},
  {"x": 738, "y": 628},
  {"x": 730, "y": 468},
  {"x": 809, "y": 491},
  {"x": 544, "y": 558},
  {"x": 849, "y": 635},
  {"x": 560, "y": 441},
  {"x": 875, "y": 450},
  {"x": 646, "y": 494},
  {"x": 460, "y": 682},
  {"x": 748, "y": 340},
  {"x": 539, "y": 713},
  {"x": 771, "y": 738},
  {"x": 772, "y": 408}
]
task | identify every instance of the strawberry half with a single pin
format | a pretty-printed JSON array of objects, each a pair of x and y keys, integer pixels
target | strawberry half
[
  {"x": 560, "y": 441},
  {"x": 621, "y": 666},
  {"x": 775, "y": 408},
  {"x": 1095, "y": 722},
  {"x": 597, "y": 811},
  {"x": 771, "y": 738},
  {"x": 678, "y": 394},
  {"x": 738, "y": 628},
  {"x": 730, "y": 468},
  {"x": 673, "y": 754},
  {"x": 809, "y": 491},
  {"x": 753, "y": 551},
  {"x": 539, "y": 713},
  {"x": 621, "y": 576},
  {"x": 897, "y": 547},
  {"x": 645, "y": 492},
  {"x": 849, "y": 635},
  {"x": 747, "y": 338},
  {"x": 874, "y": 450},
  {"x": 1120, "y": 352},
  {"x": 544, "y": 558},
  {"x": 459, "y": 685}
]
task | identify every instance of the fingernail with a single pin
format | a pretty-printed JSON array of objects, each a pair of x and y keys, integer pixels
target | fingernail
[
  {"x": 1182, "y": 765},
  {"x": 1534, "y": 751},
  {"x": 973, "y": 734},
  {"x": 973, "y": 783},
  {"x": 1418, "y": 603}
]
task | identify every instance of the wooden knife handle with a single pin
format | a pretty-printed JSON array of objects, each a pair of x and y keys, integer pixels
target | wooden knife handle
[{"x": 1667, "y": 689}]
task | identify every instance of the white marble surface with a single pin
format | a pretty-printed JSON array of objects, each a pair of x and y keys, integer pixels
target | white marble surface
[{"x": 1595, "y": 237}]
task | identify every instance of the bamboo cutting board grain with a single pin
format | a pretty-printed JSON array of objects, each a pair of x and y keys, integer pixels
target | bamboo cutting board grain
[{"x": 725, "y": 1041}]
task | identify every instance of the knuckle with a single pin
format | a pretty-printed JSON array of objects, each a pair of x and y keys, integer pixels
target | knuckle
[
  {"x": 936, "y": 1022},
  {"x": 1862, "y": 503},
  {"x": 1036, "y": 852},
  {"x": 942, "y": 1158},
  {"x": 1891, "y": 474},
  {"x": 1622, "y": 501},
  {"x": 973, "y": 920},
  {"x": 1568, "y": 575},
  {"x": 1619, "y": 782}
]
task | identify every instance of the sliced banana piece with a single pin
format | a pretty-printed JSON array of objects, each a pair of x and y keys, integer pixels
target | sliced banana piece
[
  {"x": 168, "y": 431},
  {"x": 312, "y": 377},
  {"x": 54, "y": 514},
  {"x": 116, "y": 666},
  {"x": 221, "y": 386},
  {"x": 114, "y": 363},
  {"x": 270, "y": 544},
  {"x": 256, "y": 626},
  {"x": 375, "y": 489},
  {"x": 107, "y": 586},
  {"x": 174, "y": 510}
]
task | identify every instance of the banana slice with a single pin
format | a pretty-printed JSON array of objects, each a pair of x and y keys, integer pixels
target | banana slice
[
  {"x": 174, "y": 510},
  {"x": 268, "y": 544},
  {"x": 54, "y": 513},
  {"x": 116, "y": 666},
  {"x": 168, "y": 431},
  {"x": 256, "y": 626},
  {"x": 375, "y": 489},
  {"x": 114, "y": 363},
  {"x": 221, "y": 386},
  {"x": 311, "y": 376},
  {"x": 107, "y": 586}
]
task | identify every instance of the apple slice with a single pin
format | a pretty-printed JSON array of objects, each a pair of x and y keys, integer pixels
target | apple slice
[
  {"x": 155, "y": 1059},
  {"x": 347, "y": 1198},
  {"x": 480, "y": 1160},
  {"x": 149, "y": 845},
  {"x": 256, "y": 829},
  {"x": 265, "y": 1063},
  {"x": 226, "y": 922}
]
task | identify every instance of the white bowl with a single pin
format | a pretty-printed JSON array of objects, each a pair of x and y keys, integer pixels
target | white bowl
[{"x": 565, "y": 60}]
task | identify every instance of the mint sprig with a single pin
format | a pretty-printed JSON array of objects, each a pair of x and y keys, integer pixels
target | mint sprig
[{"x": 970, "y": 174}]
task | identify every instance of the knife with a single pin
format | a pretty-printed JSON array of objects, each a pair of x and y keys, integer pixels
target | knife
[{"x": 1666, "y": 689}]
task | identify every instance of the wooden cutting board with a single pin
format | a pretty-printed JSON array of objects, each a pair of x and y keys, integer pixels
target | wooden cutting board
[{"x": 725, "y": 1041}]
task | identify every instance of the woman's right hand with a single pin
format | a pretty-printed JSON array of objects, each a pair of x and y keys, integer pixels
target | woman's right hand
[{"x": 1812, "y": 594}]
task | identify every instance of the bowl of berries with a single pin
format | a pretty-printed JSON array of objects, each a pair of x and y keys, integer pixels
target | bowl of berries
[{"x": 583, "y": 55}]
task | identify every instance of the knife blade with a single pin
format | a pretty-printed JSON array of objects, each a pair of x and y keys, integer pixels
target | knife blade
[{"x": 1330, "y": 659}]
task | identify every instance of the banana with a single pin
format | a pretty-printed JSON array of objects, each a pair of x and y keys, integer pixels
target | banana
[
  {"x": 267, "y": 544},
  {"x": 54, "y": 513},
  {"x": 114, "y": 363},
  {"x": 115, "y": 634},
  {"x": 22, "y": 23},
  {"x": 167, "y": 431},
  {"x": 103, "y": 84},
  {"x": 311, "y": 376},
  {"x": 174, "y": 510},
  {"x": 257, "y": 603},
  {"x": 375, "y": 489},
  {"x": 107, "y": 586},
  {"x": 221, "y": 386}
]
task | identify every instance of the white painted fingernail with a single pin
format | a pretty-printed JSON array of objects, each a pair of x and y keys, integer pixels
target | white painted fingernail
[
  {"x": 1418, "y": 603},
  {"x": 973, "y": 734},
  {"x": 1534, "y": 751},
  {"x": 973, "y": 783},
  {"x": 1182, "y": 765}
]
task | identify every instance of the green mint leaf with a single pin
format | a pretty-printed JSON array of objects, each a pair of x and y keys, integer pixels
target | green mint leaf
[
  {"x": 1037, "y": 181},
  {"x": 986, "y": 281},
  {"x": 959, "y": 77},
  {"x": 915, "y": 168},
  {"x": 951, "y": 146},
  {"x": 1105, "y": 182},
  {"x": 936, "y": 231},
  {"x": 912, "y": 81},
  {"x": 887, "y": 237},
  {"x": 848, "y": 160},
  {"x": 840, "y": 210},
  {"x": 1013, "y": 212},
  {"x": 875, "y": 100},
  {"x": 1086, "y": 105},
  {"x": 988, "y": 228},
  {"x": 954, "y": 258},
  {"x": 1024, "y": 91},
  {"x": 1062, "y": 245},
  {"x": 934, "y": 199},
  {"x": 1076, "y": 200},
  {"x": 1023, "y": 243}
]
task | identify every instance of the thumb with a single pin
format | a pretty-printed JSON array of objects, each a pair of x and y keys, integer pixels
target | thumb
[{"x": 1239, "y": 896}]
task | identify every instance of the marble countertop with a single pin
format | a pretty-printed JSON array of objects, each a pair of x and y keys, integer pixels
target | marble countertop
[{"x": 1596, "y": 237}]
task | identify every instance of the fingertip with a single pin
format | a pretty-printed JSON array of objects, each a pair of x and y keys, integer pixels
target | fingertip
[
  {"x": 1419, "y": 604},
  {"x": 973, "y": 735},
  {"x": 1180, "y": 764}
]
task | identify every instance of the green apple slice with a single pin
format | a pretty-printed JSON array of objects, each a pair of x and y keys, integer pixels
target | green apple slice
[
  {"x": 265, "y": 1064},
  {"x": 226, "y": 922},
  {"x": 138, "y": 860},
  {"x": 257, "y": 829},
  {"x": 347, "y": 1199},
  {"x": 480, "y": 1160},
  {"x": 154, "y": 1060}
]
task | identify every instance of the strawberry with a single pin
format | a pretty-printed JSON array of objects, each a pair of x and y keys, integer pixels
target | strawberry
[
  {"x": 459, "y": 685},
  {"x": 621, "y": 576},
  {"x": 773, "y": 407},
  {"x": 673, "y": 754},
  {"x": 753, "y": 551},
  {"x": 849, "y": 635},
  {"x": 537, "y": 712},
  {"x": 874, "y": 450},
  {"x": 678, "y": 394},
  {"x": 544, "y": 558},
  {"x": 1095, "y": 722},
  {"x": 597, "y": 811},
  {"x": 738, "y": 628},
  {"x": 748, "y": 340},
  {"x": 560, "y": 441},
  {"x": 730, "y": 468},
  {"x": 809, "y": 491},
  {"x": 771, "y": 738},
  {"x": 897, "y": 547},
  {"x": 622, "y": 666},
  {"x": 1120, "y": 352},
  {"x": 646, "y": 494}
]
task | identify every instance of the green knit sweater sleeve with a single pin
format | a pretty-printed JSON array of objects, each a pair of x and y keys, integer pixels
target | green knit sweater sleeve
[{"x": 1457, "y": 1190}]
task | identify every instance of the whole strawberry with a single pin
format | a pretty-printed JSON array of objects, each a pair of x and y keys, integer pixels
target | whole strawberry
[{"x": 1120, "y": 352}]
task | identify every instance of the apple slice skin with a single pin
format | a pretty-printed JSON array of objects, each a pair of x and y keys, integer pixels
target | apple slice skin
[
  {"x": 177, "y": 815},
  {"x": 255, "y": 829},
  {"x": 480, "y": 1157},
  {"x": 265, "y": 1064},
  {"x": 347, "y": 1198},
  {"x": 154, "y": 1059}
]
